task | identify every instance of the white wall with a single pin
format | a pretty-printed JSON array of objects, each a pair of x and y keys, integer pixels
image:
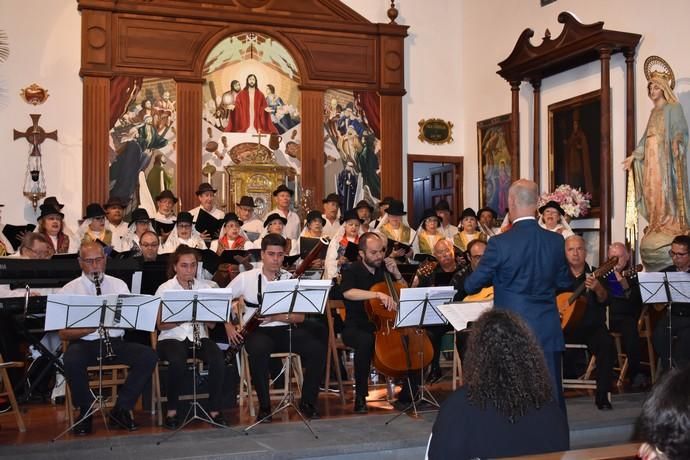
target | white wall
[{"x": 45, "y": 41}]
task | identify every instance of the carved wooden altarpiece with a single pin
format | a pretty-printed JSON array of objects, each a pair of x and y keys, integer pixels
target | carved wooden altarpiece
[
  {"x": 333, "y": 46},
  {"x": 577, "y": 44}
]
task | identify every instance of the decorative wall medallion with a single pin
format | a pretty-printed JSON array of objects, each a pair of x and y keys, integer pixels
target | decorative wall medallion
[
  {"x": 435, "y": 131},
  {"x": 34, "y": 94}
]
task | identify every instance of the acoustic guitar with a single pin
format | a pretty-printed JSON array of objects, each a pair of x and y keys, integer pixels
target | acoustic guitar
[{"x": 571, "y": 305}]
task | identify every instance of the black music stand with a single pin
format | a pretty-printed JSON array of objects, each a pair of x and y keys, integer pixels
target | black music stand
[
  {"x": 418, "y": 307},
  {"x": 110, "y": 311},
  {"x": 192, "y": 306},
  {"x": 665, "y": 287},
  {"x": 286, "y": 297}
]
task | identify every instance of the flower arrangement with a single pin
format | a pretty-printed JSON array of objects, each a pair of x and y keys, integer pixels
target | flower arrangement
[{"x": 574, "y": 201}]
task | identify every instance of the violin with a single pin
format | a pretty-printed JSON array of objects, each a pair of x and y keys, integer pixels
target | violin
[{"x": 396, "y": 351}]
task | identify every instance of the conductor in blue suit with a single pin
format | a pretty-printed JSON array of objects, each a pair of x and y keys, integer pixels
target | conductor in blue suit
[{"x": 526, "y": 265}]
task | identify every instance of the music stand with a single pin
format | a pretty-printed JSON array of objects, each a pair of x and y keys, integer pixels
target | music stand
[
  {"x": 418, "y": 307},
  {"x": 111, "y": 311},
  {"x": 191, "y": 306},
  {"x": 286, "y": 297},
  {"x": 665, "y": 287}
]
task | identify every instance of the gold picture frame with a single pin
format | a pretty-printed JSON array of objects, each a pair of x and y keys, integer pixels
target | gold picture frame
[{"x": 435, "y": 131}]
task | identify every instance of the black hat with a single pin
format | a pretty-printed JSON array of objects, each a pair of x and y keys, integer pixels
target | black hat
[
  {"x": 48, "y": 210},
  {"x": 554, "y": 205},
  {"x": 396, "y": 208},
  {"x": 115, "y": 202},
  {"x": 364, "y": 204},
  {"x": 332, "y": 197},
  {"x": 185, "y": 217},
  {"x": 274, "y": 216},
  {"x": 205, "y": 187},
  {"x": 487, "y": 209},
  {"x": 52, "y": 201},
  {"x": 140, "y": 215},
  {"x": 387, "y": 200},
  {"x": 94, "y": 210},
  {"x": 283, "y": 188},
  {"x": 313, "y": 215},
  {"x": 350, "y": 215},
  {"x": 429, "y": 214},
  {"x": 468, "y": 212},
  {"x": 247, "y": 201},
  {"x": 442, "y": 205},
  {"x": 232, "y": 217},
  {"x": 166, "y": 194}
]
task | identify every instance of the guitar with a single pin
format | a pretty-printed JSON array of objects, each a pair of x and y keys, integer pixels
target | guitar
[{"x": 571, "y": 305}]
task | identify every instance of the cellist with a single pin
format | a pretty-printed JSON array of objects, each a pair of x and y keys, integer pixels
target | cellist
[{"x": 358, "y": 332}]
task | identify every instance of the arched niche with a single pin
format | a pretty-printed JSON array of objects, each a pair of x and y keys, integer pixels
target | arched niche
[{"x": 333, "y": 47}]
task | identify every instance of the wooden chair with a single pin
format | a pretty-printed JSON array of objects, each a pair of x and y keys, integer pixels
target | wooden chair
[
  {"x": 157, "y": 399},
  {"x": 457, "y": 365},
  {"x": 8, "y": 392},
  {"x": 584, "y": 381},
  {"x": 644, "y": 330},
  {"x": 113, "y": 376},
  {"x": 335, "y": 348}
]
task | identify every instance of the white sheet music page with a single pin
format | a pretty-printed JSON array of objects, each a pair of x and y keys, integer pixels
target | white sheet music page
[
  {"x": 652, "y": 287},
  {"x": 412, "y": 302},
  {"x": 461, "y": 313},
  {"x": 679, "y": 285},
  {"x": 75, "y": 311}
]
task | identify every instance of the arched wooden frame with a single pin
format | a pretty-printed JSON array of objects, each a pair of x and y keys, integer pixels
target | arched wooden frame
[
  {"x": 577, "y": 44},
  {"x": 333, "y": 46}
]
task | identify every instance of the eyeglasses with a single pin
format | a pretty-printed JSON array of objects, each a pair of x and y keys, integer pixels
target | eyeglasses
[
  {"x": 94, "y": 261},
  {"x": 40, "y": 254},
  {"x": 677, "y": 254}
]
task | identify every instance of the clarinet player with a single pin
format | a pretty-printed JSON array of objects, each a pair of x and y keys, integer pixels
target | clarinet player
[{"x": 84, "y": 347}]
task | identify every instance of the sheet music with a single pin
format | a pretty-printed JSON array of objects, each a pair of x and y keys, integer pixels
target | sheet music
[
  {"x": 122, "y": 311},
  {"x": 211, "y": 305},
  {"x": 652, "y": 287},
  {"x": 461, "y": 313},
  {"x": 412, "y": 306},
  {"x": 311, "y": 296},
  {"x": 679, "y": 285}
]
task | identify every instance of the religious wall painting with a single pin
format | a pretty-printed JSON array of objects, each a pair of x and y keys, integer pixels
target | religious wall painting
[
  {"x": 574, "y": 145},
  {"x": 251, "y": 112},
  {"x": 498, "y": 166},
  {"x": 352, "y": 146},
  {"x": 142, "y": 140}
]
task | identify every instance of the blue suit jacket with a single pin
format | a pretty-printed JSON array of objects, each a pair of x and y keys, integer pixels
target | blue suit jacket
[{"x": 525, "y": 266}]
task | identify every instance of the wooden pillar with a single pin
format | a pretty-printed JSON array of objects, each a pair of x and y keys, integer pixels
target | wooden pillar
[
  {"x": 605, "y": 147},
  {"x": 629, "y": 100},
  {"x": 188, "y": 141},
  {"x": 313, "y": 143},
  {"x": 391, "y": 146},
  {"x": 515, "y": 123},
  {"x": 536, "y": 141},
  {"x": 95, "y": 121}
]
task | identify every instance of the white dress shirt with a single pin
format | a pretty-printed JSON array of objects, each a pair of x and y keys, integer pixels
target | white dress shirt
[
  {"x": 330, "y": 228},
  {"x": 293, "y": 226},
  {"x": 120, "y": 241},
  {"x": 215, "y": 212},
  {"x": 246, "y": 285},
  {"x": 84, "y": 286},
  {"x": 184, "y": 330}
]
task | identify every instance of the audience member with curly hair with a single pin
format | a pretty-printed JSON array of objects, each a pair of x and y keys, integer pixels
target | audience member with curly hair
[
  {"x": 507, "y": 406},
  {"x": 664, "y": 424}
]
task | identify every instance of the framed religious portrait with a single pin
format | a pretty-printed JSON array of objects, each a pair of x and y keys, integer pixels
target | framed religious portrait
[
  {"x": 498, "y": 166},
  {"x": 574, "y": 145}
]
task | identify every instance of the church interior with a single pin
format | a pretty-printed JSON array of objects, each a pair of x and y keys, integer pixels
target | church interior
[{"x": 412, "y": 111}]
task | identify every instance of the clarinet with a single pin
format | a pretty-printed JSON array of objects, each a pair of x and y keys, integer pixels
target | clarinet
[
  {"x": 196, "y": 333},
  {"x": 103, "y": 332}
]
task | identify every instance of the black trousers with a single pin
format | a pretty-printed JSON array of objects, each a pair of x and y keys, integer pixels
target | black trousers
[
  {"x": 266, "y": 340},
  {"x": 362, "y": 340},
  {"x": 176, "y": 353},
  {"x": 626, "y": 326},
  {"x": 681, "y": 345},
  {"x": 600, "y": 343},
  {"x": 436, "y": 334},
  {"x": 83, "y": 353}
]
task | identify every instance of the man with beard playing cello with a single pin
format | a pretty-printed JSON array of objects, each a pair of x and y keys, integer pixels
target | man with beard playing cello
[{"x": 356, "y": 283}]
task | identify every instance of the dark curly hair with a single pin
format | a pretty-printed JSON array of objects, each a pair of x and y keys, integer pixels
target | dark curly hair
[
  {"x": 181, "y": 250},
  {"x": 665, "y": 419},
  {"x": 504, "y": 366}
]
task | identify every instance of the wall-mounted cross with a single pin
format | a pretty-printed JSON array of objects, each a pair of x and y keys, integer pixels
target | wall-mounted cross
[{"x": 35, "y": 135}]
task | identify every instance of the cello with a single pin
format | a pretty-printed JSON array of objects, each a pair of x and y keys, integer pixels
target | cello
[{"x": 396, "y": 351}]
